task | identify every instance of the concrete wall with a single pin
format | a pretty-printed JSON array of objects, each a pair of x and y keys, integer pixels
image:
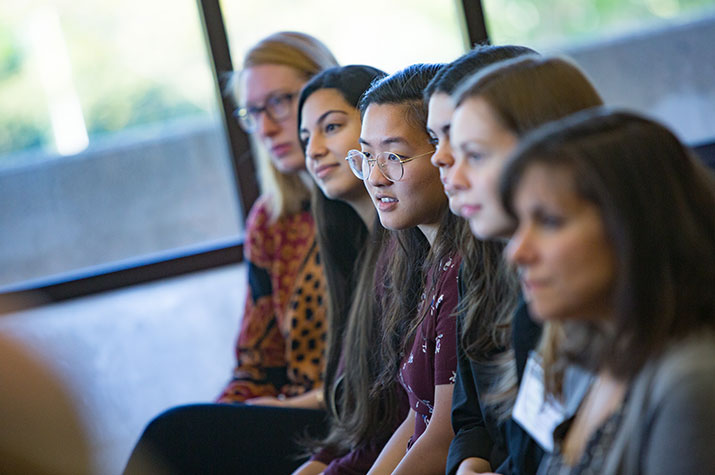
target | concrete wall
[
  {"x": 668, "y": 73},
  {"x": 153, "y": 191},
  {"x": 128, "y": 355}
]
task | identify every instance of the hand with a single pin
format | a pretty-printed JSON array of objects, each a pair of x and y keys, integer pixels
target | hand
[
  {"x": 268, "y": 401},
  {"x": 473, "y": 466},
  {"x": 311, "y": 467}
]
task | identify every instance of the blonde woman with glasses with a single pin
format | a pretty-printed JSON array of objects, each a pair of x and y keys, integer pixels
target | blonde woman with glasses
[{"x": 280, "y": 347}]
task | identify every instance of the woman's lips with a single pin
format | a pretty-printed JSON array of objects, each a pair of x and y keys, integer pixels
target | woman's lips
[
  {"x": 281, "y": 150},
  {"x": 323, "y": 170},
  {"x": 467, "y": 211},
  {"x": 386, "y": 203},
  {"x": 532, "y": 285}
]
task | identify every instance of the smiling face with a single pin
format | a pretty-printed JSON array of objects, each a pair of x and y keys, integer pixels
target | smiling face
[
  {"x": 418, "y": 198},
  {"x": 481, "y": 146},
  {"x": 330, "y": 127},
  {"x": 566, "y": 262},
  {"x": 280, "y": 137},
  {"x": 439, "y": 121}
]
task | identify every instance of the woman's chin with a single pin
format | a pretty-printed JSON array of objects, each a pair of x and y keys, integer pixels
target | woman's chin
[{"x": 290, "y": 164}]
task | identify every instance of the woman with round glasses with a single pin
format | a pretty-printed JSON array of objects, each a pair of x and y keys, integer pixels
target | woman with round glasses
[
  {"x": 350, "y": 241},
  {"x": 417, "y": 326},
  {"x": 281, "y": 343}
]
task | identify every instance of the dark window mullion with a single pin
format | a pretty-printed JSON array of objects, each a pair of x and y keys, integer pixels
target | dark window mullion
[
  {"x": 220, "y": 55},
  {"x": 473, "y": 14}
]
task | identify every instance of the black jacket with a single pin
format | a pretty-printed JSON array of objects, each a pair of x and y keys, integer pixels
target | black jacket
[{"x": 506, "y": 445}]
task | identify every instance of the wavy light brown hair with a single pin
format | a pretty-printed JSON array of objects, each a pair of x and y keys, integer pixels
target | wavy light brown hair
[{"x": 523, "y": 93}]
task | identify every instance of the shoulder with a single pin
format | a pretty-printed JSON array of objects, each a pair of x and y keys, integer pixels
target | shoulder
[
  {"x": 684, "y": 382},
  {"x": 259, "y": 216},
  {"x": 687, "y": 363},
  {"x": 680, "y": 410},
  {"x": 261, "y": 223},
  {"x": 680, "y": 382}
]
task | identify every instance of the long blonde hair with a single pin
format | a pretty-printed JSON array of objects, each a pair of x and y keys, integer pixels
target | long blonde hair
[{"x": 286, "y": 193}]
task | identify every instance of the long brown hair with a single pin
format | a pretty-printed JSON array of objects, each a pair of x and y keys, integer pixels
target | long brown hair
[
  {"x": 523, "y": 93},
  {"x": 489, "y": 290},
  {"x": 361, "y": 416},
  {"x": 308, "y": 56},
  {"x": 658, "y": 207},
  {"x": 342, "y": 236}
]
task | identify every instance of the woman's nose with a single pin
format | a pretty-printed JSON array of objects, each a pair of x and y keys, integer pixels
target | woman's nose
[
  {"x": 266, "y": 126},
  {"x": 315, "y": 148},
  {"x": 442, "y": 157},
  {"x": 376, "y": 177},
  {"x": 520, "y": 249}
]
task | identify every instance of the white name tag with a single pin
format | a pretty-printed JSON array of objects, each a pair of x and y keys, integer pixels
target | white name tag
[{"x": 537, "y": 416}]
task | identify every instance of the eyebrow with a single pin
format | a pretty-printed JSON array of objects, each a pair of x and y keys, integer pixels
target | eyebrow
[
  {"x": 387, "y": 141},
  {"x": 274, "y": 93},
  {"x": 471, "y": 143},
  {"x": 327, "y": 113},
  {"x": 323, "y": 116}
]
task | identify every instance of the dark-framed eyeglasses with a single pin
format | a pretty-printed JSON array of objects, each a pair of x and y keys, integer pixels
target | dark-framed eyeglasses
[
  {"x": 391, "y": 165},
  {"x": 278, "y": 107}
]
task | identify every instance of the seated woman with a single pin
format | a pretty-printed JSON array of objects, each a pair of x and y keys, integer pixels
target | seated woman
[
  {"x": 284, "y": 309},
  {"x": 493, "y": 109},
  {"x": 487, "y": 291},
  {"x": 616, "y": 240},
  {"x": 281, "y": 343},
  {"x": 330, "y": 127},
  {"x": 417, "y": 328}
]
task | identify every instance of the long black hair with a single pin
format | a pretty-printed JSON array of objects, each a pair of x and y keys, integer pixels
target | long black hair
[
  {"x": 342, "y": 235},
  {"x": 413, "y": 254},
  {"x": 350, "y": 254}
]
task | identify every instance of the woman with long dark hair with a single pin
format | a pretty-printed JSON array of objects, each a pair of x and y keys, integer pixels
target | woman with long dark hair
[
  {"x": 360, "y": 423},
  {"x": 416, "y": 347},
  {"x": 329, "y": 122}
]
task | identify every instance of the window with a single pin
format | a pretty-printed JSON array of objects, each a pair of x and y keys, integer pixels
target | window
[
  {"x": 386, "y": 34},
  {"x": 112, "y": 151},
  {"x": 654, "y": 56}
]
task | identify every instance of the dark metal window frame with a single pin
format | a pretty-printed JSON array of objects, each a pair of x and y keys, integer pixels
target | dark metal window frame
[{"x": 176, "y": 263}]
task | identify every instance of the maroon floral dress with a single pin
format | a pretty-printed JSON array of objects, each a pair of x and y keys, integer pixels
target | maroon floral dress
[{"x": 432, "y": 360}]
